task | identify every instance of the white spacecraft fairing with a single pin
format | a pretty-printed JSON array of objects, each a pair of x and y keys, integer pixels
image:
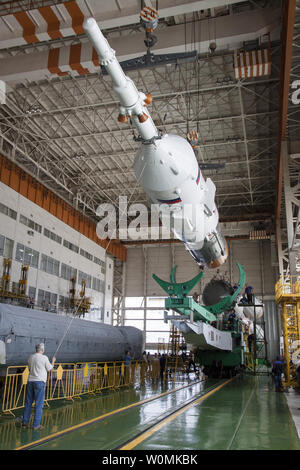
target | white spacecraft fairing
[{"x": 166, "y": 167}]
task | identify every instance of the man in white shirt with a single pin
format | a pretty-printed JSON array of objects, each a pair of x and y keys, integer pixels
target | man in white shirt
[{"x": 39, "y": 366}]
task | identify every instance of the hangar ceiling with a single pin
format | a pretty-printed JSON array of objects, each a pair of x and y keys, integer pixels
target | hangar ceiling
[{"x": 63, "y": 128}]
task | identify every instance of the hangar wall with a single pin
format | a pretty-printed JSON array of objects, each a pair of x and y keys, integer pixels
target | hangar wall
[
  {"x": 143, "y": 261},
  {"x": 143, "y": 297}
]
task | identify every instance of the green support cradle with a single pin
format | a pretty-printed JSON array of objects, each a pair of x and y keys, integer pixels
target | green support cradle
[
  {"x": 178, "y": 300},
  {"x": 180, "y": 303},
  {"x": 225, "y": 303}
]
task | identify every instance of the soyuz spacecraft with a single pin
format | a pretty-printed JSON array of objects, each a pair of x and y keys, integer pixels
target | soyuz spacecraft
[{"x": 166, "y": 167}]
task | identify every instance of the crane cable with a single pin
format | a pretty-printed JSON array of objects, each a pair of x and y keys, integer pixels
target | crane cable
[{"x": 70, "y": 323}]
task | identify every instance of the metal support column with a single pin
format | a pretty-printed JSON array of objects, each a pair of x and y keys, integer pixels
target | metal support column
[
  {"x": 292, "y": 206},
  {"x": 118, "y": 293},
  {"x": 145, "y": 253}
]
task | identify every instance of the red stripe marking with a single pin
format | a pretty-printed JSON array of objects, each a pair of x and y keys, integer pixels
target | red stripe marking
[
  {"x": 76, "y": 15},
  {"x": 53, "y": 58},
  {"x": 75, "y": 57},
  {"x": 172, "y": 201},
  {"x": 95, "y": 58},
  {"x": 52, "y": 22},
  {"x": 27, "y": 25}
]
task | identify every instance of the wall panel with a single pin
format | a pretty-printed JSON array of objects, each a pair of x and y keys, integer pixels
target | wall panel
[
  {"x": 24, "y": 187},
  {"x": 15, "y": 180},
  {"x": 21, "y": 182},
  {"x": 134, "y": 286},
  {"x": 39, "y": 195},
  {"x": 159, "y": 263},
  {"x": 256, "y": 260},
  {"x": 53, "y": 206},
  {"x": 5, "y": 173},
  {"x": 46, "y": 201}
]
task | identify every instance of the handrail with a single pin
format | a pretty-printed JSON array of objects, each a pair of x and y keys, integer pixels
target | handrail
[{"x": 69, "y": 380}]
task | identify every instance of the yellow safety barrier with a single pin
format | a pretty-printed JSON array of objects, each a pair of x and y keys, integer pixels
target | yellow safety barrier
[
  {"x": 15, "y": 388},
  {"x": 249, "y": 361},
  {"x": 60, "y": 383},
  {"x": 69, "y": 381}
]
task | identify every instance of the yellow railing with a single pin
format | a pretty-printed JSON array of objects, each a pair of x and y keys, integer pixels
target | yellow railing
[
  {"x": 287, "y": 287},
  {"x": 249, "y": 361},
  {"x": 68, "y": 381},
  {"x": 60, "y": 383},
  {"x": 287, "y": 294},
  {"x": 60, "y": 417},
  {"x": 15, "y": 388}
]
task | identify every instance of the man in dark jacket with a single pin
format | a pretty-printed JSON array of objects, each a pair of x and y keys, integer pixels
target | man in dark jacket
[
  {"x": 162, "y": 362},
  {"x": 277, "y": 370},
  {"x": 298, "y": 375}
]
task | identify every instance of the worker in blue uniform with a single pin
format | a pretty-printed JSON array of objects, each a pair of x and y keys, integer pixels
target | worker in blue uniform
[
  {"x": 231, "y": 320},
  {"x": 128, "y": 358},
  {"x": 162, "y": 362},
  {"x": 249, "y": 293},
  {"x": 277, "y": 370},
  {"x": 298, "y": 375}
]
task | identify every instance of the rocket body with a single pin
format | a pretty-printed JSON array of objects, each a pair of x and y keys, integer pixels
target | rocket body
[
  {"x": 167, "y": 168},
  {"x": 170, "y": 175}
]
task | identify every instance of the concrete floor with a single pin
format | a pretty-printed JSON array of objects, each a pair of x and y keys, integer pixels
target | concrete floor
[
  {"x": 293, "y": 401},
  {"x": 244, "y": 414}
]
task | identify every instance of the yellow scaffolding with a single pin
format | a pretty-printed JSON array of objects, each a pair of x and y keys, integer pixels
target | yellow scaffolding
[
  {"x": 5, "y": 280},
  {"x": 9, "y": 291},
  {"x": 287, "y": 295},
  {"x": 176, "y": 341}
]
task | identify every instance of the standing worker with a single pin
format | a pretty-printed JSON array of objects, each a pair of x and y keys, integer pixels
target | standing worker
[
  {"x": 127, "y": 358},
  {"x": 191, "y": 363},
  {"x": 277, "y": 370},
  {"x": 249, "y": 294},
  {"x": 39, "y": 366},
  {"x": 155, "y": 367},
  {"x": 127, "y": 363},
  {"x": 298, "y": 375},
  {"x": 162, "y": 363}
]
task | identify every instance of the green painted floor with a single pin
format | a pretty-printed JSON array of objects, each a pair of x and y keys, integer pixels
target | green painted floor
[
  {"x": 244, "y": 414},
  {"x": 62, "y": 415}
]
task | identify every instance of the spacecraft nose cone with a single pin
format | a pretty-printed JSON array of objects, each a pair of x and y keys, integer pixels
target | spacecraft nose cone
[{"x": 89, "y": 22}]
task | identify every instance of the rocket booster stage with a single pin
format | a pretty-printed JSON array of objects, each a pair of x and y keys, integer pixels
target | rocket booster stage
[{"x": 166, "y": 167}]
